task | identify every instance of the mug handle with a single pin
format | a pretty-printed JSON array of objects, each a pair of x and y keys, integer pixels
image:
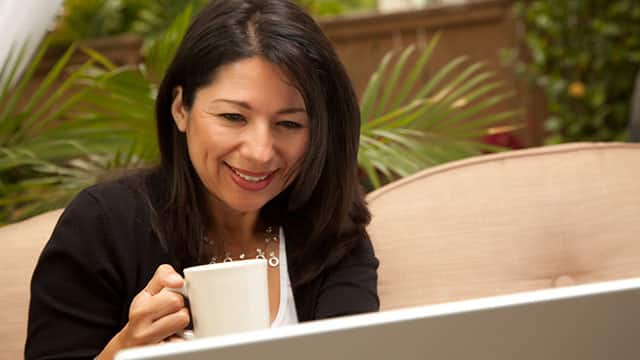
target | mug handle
[{"x": 185, "y": 334}]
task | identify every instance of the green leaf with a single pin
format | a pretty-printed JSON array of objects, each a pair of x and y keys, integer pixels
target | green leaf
[
  {"x": 19, "y": 89},
  {"x": 10, "y": 69},
  {"x": 160, "y": 50},
  {"x": 51, "y": 76},
  {"x": 416, "y": 71},
  {"x": 371, "y": 91},
  {"x": 393, "y": 115},
  {"x": 428, "y": 129},
  {"x": 435, "y": 80},
  {"x": 393, "y": 79}
]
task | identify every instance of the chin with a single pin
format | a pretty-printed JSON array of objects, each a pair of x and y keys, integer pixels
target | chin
[{"x": 246, "y": 206}]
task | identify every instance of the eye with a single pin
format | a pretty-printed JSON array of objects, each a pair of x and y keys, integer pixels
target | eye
[
  {"x": 233, "y": 117},
  {"x": 290, "y": 124}
]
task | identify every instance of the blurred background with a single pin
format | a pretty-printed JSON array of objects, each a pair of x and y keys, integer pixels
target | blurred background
[{"x": 438, "y": 81}]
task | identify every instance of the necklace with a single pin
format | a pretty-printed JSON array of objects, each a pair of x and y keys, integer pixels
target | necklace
[{"x": 271, "y": 241}]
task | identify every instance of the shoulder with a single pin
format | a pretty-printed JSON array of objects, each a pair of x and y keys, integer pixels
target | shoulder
[
  {"x": 116, "y": 204},
  {"x": 105, "y": 223},
  {"x": 123, "y": 192},
  {"x": 126, "y": 195}
]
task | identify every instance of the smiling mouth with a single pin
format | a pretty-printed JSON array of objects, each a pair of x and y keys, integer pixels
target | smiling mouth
[{"x": 254, "y": 177}]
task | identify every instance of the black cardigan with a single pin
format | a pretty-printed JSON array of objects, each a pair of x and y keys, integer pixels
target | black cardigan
[{"x": 103, "y": 252}]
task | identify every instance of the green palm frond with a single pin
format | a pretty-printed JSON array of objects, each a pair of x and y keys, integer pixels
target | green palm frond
[
  {"x": 65, "y": 119},
  {"x": 159, "y": 50},
  {"x": 424, "y": 123},
  {"x": 29, "y": 118},
  {"x": 79, "y": 125}
]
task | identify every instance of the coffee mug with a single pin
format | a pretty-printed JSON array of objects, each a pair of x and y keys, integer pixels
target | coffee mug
[{"x": 226, "y": 297}]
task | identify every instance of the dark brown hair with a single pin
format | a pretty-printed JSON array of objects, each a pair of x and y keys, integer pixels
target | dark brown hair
[{"x": 322, "y": 211}]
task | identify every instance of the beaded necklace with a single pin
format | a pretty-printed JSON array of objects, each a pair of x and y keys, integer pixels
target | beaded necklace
[{"x": 271, "y": 241}]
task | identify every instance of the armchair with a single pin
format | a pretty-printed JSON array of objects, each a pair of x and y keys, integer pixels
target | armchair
[
  {"x": 509, "y": 222},
  {"x": 21, "y": 246}
]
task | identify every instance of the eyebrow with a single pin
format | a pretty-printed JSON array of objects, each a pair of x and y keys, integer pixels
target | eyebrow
[{"x": 246, "y": 105}]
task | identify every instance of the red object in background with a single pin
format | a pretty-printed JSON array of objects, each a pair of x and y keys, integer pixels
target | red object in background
[{"x": 504, "y": 139}]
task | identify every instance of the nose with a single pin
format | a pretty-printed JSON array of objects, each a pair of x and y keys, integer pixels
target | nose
[{"x": 258, "y": 144}]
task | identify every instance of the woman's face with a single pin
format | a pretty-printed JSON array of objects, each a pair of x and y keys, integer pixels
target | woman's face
[{"x": 246, "y": 132}]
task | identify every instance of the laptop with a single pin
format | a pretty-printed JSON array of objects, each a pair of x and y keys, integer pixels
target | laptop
[{"x": 587, "y": 322}]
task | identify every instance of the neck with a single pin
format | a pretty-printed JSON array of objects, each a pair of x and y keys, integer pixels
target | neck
[{"x": 236, "y": 230}]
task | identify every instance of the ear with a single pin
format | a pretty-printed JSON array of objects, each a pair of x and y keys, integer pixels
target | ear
[{"x": 179, "y": 112}]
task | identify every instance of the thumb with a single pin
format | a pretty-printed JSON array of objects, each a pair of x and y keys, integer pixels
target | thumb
[{"x": 165, "y": 276}]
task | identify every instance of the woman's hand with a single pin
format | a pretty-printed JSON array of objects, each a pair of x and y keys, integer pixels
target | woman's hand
[{"x": 154, "y": 315}]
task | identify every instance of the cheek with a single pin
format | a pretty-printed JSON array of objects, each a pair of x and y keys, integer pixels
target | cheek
[
  {"x": 193, "y": 143},
  {"x": 199, "y": 143},
  {"x": 295, "y": 154},
  {"x": 297, "y": 149},
  {"x": 201, "y": 134}
]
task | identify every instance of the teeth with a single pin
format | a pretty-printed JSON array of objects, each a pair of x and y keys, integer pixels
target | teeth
[{"x": 250, "y": 178}]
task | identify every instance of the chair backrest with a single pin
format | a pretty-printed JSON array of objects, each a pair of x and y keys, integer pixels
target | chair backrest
[
  {"x": 21, "y": 246},
  {"x": 509, "y": 222}
]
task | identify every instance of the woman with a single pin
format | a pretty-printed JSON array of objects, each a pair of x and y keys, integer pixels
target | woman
[{"x": 258, "y": 129}]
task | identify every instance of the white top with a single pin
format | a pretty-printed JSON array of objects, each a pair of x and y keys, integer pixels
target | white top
[{"x": 287, "y": 314}]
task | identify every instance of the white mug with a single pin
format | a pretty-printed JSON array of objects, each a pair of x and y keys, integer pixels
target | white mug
[{"x": 227, "y": 297}]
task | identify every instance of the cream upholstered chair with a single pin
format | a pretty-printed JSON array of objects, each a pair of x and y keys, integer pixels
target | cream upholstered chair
[
  {"x": 509, "y": 222},
  {"x": 21, "y": 245}
]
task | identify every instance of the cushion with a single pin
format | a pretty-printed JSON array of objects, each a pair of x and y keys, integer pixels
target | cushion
[{"x": 509, "y": 222}]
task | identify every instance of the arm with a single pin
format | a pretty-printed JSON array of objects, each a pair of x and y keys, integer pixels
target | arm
[
  {"x": 351, "y": 286},
  {"x": 86, "y": 278},
  {"x": 76, "y": 304}
]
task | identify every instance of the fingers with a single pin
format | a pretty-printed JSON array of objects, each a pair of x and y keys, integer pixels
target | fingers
[
  {"x": 156, "y": 306},
  {"x": 155, "y": 315},
  {"x": 158, "y": 330},
  {"x": 168, "y": 325},
  {"x": 165, "y": 276}
]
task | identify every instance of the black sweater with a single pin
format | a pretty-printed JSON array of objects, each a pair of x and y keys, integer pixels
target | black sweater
[{"x": 103, "y": 252}]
